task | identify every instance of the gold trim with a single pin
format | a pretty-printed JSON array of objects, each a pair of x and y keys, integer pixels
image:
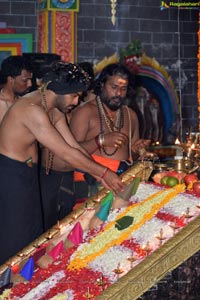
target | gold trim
[
  {"x": 156, "y": 266},
  {"x": 137, "y": 281},
  {"x": 140, "y": 169}
]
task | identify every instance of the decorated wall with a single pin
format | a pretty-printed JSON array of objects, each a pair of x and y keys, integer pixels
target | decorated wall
[
  {"x": 168, "y": 34},
  {"x": 57, "y": 28}
]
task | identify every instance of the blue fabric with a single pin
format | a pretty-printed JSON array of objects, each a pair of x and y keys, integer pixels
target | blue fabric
[{"x": 28, "y": 269}]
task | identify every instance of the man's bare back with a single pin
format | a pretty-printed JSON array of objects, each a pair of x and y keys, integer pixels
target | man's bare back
[{"x": 4, "y": 106}]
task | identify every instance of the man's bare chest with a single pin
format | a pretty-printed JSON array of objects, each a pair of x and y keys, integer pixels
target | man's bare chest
[{"x": 106, "y": 124}]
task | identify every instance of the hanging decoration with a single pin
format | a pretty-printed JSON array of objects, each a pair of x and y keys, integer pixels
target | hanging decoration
[
  {"x": 113, "y": 11},
  {"x": 198, "y": 87}
]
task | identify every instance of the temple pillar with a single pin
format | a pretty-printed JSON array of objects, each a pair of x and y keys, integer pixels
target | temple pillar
[{"x": 57, "y": 28}]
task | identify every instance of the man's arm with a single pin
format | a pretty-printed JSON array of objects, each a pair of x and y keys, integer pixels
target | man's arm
[
  {"x": 134, "y": 126},
  {"x": 137, "y": 144},
  {"x": 86, "y": 130},
  {"x": 40, "y": 126}
]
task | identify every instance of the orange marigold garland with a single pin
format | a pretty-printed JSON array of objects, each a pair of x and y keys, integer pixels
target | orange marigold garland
[{"x": 110, "y": 236}]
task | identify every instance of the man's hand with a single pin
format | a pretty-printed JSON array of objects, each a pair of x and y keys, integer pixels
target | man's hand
[
  {"x": 112, "y": 181},
  {"x": 140, "y": 144},
  {"x": 114, "y": 139},
  {"x": 139, "y": 149}
]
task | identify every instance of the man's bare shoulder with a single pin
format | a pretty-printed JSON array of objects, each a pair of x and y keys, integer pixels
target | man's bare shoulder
[
  {"x": 30, "y": 100},
  {"x": 27, "y": 109},
  {"x": 85, "y": 107}
]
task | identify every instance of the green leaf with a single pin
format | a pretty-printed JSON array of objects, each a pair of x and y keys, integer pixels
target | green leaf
[{"x": 124, "y": 222}]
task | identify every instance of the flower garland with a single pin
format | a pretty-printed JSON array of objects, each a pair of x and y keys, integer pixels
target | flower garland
[
  {"x": 110, "y": 236},
  {"x": 75, "y": 285},
  {"x": 44, "y": 286},
  {"x": 67, "y": 295}
]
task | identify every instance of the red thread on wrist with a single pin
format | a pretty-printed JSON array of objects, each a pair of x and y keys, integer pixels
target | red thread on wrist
[{"x": 104, "y": 173}]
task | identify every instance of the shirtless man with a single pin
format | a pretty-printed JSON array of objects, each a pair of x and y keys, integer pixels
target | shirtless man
[
  {"x": 105, "y": 127},
  {"x": 38, "y": 117},
  {"x": 15, "y": 79},
  {"x": 57, "y": 187}
]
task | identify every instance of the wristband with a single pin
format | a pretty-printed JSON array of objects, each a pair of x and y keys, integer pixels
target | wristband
[
  {"x": 101, "y": 139},
  {"x": 104, "y": 173}
]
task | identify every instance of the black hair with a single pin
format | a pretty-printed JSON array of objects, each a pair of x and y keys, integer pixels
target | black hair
[
  {"x": 13, "y": 66},
  {"x": 87, "y": 67},
  {"x": 66, "y": 78},
  {"x": 116, "y": 69}
]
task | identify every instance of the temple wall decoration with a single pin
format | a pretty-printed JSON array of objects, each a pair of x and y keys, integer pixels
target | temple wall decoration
[{"x": 57, "y": 28}]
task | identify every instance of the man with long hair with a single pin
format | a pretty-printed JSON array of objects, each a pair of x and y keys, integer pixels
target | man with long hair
[{"x": 105, "y": 127}]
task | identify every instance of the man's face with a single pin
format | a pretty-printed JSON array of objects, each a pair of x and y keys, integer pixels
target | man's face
[
  {"x": 114, "y": 92},
  {"x": 66, "y": 103},
  {"x": 22, "y": 83}
]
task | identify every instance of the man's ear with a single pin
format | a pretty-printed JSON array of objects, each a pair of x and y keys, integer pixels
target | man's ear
[{"x": 10, "y": 79}]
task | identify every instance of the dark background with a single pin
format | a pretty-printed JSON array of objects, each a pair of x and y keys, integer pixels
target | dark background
[{"x": 169, "y": 35}]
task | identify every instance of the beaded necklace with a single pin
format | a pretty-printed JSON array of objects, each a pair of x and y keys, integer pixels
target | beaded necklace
[
  {"x": 105, "y": 119},
  {"x": 50, "y": 154}
]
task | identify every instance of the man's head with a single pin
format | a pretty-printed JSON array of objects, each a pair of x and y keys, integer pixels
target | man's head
[
  {"x": 16, "y": 73},
  {"x": 67, "y": 81},
  {"x": 113, "y": 84}
]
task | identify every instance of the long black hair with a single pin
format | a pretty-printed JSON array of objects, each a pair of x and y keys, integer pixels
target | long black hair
[{"x": 115, "y": 69}]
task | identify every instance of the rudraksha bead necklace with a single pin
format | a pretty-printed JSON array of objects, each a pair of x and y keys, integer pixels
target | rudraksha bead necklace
[{"x": 105, "y": 119}]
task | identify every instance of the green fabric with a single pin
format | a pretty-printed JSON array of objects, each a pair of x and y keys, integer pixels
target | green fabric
[
  {"x": 124, "y": 222},
  {"x": 104, "y": 210},
  {"x": 108, "y": 198}
]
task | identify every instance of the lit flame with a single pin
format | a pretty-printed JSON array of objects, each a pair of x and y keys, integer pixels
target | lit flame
[{"x": 177, "y": 142}]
